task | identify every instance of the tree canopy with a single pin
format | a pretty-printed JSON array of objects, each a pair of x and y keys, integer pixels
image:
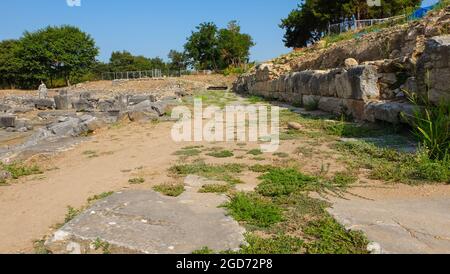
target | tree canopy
[
  {"x": 178, "y": 60},
  {"x": 307, "y": 23},
  {"x": 46, "y": 54},
  {"x": 211, "y": 48},
  {"x": 125, "y": 61}
]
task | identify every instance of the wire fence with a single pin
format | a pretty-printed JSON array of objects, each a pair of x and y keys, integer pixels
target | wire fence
[
  {"x": 353, "y": 24},
  {"x": 151, "y": 74}
]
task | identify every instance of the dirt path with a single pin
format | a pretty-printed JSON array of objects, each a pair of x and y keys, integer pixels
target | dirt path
[{"x": 29, "y": 208}]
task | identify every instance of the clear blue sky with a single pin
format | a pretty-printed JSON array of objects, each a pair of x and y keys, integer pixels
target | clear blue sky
[{"x": 151, "y": 27}]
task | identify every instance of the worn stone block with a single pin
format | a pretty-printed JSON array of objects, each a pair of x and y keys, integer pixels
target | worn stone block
[{"x": 7, "y": 121}]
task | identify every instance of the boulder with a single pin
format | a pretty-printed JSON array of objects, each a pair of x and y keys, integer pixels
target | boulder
[
  {"x": 350, "y": 62},
  {"x": 295, "y": 126}
]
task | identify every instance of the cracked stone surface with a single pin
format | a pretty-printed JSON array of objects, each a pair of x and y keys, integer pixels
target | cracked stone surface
[
  {"x": 148, "y": 222},
  {"x": 414, "y": 225}
]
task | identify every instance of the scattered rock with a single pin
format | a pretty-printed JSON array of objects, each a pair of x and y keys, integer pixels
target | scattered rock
[
  {"x": 350, "y": 62},
  {"x": 296, "y": 126}
]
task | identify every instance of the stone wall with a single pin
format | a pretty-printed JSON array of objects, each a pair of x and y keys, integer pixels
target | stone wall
[
  {"x": 372, "y": 91},
  {"x": 352, "y": 91},
  {"x": 433, "y": 69}
]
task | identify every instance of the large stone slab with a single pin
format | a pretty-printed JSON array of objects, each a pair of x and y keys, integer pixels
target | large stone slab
[
  {"x": 147, "y": 222},
  {"x": 412, "y": 225},
  {"x": 387, "y": 111}
]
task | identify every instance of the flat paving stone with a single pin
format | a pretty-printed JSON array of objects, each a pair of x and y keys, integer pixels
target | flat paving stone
[
  {"x": 419, "y": 225},
  {"x": 148, "y": 222}
]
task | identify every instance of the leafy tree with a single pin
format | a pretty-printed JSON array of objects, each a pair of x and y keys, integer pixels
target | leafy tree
[
  {"x": 307, "y": 23},
  {"x": 125, "y": 61},
  {"x": 10, "y": 64},
  {"x": 178, "y": 60},
  {"x": 122, "y": 61},
  {"x": 57, "y": 51},
  {"x": 202, "y": 47},
  {"x": 214, "y": 49},
  {"x": 158, "y": 63},
  {"x": 234, "y": 47}
]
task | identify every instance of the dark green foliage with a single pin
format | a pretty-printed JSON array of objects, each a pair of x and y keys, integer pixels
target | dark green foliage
[
  {"x": 125, "y": 61},
  {"x": 178, "y": 60},
  {"x": 216, "y": 49},
  {"x": 307, "y": 23},
  {"x": 51, "y": 53},
  {"x": 254, "y": 210}
]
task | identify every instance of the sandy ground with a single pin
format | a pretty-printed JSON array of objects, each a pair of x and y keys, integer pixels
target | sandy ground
[{"x": 29, "y": 208}]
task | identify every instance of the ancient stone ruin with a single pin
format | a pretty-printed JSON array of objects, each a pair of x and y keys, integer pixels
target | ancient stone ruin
[{"x": 365, "y": 82}]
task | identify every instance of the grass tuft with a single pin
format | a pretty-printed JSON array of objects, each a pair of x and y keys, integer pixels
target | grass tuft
[
  {"x": 136, "y": 181},
  {"x": 172, "y": 190},
  {"x": 214, "y": 188},
  {"x": 221, "y": 154}
]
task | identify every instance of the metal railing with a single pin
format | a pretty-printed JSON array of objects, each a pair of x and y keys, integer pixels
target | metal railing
[
  {"x": 151, "y": 74},
  {"x": 353, "y": 24},
  {"x": 130, "y": 75}
]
